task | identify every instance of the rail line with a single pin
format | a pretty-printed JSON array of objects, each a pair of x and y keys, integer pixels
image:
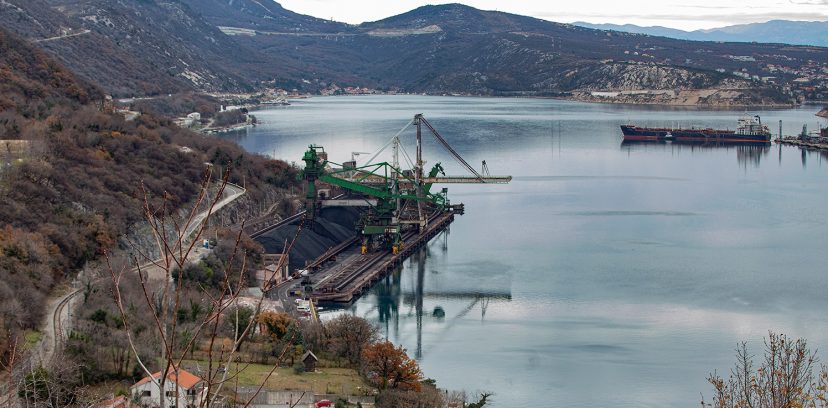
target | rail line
[
  {"x": 285, "y": 221},
  {"x": 331, "y": 253},
  {"x": 355, "y": 277},
  {"x": 58, "y": 321}
]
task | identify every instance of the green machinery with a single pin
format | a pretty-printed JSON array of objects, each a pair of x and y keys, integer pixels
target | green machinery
[{"x": 396, "y": 198}]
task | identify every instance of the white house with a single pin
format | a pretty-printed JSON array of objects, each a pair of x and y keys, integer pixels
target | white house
[{"x": 190, "y": 390}]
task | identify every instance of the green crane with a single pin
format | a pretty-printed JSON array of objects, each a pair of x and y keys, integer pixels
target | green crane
[
  {"x": 389, "y": 188},
  {"x": 378, "y": 181}
]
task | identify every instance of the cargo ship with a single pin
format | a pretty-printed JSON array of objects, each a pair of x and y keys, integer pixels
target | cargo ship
[{"x": 748, "y": 130}]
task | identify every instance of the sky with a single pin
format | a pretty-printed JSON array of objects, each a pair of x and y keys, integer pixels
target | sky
[{"x": 681, "y": 14}]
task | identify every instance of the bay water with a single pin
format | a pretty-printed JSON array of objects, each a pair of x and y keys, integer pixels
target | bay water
[{"x": 604, "y": 274}]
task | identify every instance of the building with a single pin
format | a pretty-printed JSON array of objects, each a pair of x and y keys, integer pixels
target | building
[
  {"x": 271, "y": 274},
  {"x": 309, "y": 360},
  {"x": 189, "y": 388}
]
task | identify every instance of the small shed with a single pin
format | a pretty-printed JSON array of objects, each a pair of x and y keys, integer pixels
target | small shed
[{"x": 309, "y": 359}]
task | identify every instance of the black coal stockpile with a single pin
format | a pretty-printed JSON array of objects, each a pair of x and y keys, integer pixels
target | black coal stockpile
[{"x": 333, "y": 226}]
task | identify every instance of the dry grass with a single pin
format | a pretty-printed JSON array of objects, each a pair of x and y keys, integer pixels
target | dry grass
[{"x": 344, "y": 381}]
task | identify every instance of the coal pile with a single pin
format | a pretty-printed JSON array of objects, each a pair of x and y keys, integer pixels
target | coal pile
[{"x": 333, "y": 226}]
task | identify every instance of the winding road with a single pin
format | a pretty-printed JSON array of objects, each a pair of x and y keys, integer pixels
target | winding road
[{"x": 57, "y": 322}]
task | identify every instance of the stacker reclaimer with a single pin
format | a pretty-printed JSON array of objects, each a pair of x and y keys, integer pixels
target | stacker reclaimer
[{"x": 397, "y": 200}]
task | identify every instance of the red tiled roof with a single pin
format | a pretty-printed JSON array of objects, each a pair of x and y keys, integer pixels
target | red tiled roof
[{"x": 187, "y": 380}]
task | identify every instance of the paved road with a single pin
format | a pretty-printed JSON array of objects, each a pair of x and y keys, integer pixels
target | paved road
[
  {"x": 231, "y": 193},
  {"x": 62, "y": 36},
  {"x": 56, "y": 324}
]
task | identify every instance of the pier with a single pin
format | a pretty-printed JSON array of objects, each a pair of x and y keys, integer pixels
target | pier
[
  {"x": 809, "y": 142},
  {"x": 343, "y": 282},
  {"x": 361, "y": 222}
]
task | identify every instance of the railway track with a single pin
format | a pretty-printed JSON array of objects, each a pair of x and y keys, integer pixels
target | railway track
[
  {"x": 331, "y": 253},
  {"x": 348, "y": 274},
  {"x": 284, "y": 221},
  {"x": 344, "y": 279},
  {"x": 57, "y": 319}
]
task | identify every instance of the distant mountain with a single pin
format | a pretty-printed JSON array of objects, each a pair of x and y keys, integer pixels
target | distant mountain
[
  {"x": 774, "y": 31},
  {"x": 454, "y": 48},
  {"x": 261, "y": 15},
  {"x": 152, "y": 46},
  {"x": 88, "y": 53},
  {"x": 138, "y": 47}
]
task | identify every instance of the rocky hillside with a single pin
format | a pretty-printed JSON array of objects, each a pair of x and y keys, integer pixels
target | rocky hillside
[
  {"x": 458, "y": 49},
  {"x": 139, "y": 47},
  {"x": 263, "y": 16},
  {"x": 90, "y": 54},
  {"x": 237, "y": 44},
  {"x": 71, "y": 183}
]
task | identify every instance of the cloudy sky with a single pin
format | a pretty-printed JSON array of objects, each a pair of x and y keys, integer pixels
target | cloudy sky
[{"x": 682, "y": 14}]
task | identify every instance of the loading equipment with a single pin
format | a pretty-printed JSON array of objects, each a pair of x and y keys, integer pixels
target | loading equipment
[{"x": 396, "y": 198}]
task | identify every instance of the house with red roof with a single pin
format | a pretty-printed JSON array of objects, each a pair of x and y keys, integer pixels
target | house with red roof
[{"x": 187, "y": 388}]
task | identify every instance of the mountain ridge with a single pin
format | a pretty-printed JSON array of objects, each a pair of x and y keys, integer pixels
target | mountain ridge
[
  {"x": 456, "y": 48},
  {"x": 813, "y": 33},
  {"x": 214, "y": 45}
]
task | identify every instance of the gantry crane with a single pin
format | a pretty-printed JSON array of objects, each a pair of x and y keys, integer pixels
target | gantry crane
[{"x": 390, "y": 192}]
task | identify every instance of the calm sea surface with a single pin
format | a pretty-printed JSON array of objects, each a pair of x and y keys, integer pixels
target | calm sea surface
[{"x": 604, "y": 275}]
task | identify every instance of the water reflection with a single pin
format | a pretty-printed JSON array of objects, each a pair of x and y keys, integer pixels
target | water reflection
[
  {"x": 629, "y": 273},
  {"x": 746, "y": 154},
  {"x": 804, "y": 153},
  {"x": 446, "y": 305}
]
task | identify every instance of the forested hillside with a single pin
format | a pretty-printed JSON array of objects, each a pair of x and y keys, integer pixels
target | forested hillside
[
  {"x": 71, "y": 176},
  {"x": 453, "y": 48},
  {"x": 140, "y": 47},
  {"x": 153, "y": 47}
]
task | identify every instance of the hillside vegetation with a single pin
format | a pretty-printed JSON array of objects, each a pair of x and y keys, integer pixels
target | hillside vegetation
[
  {"x": 150, "y": 47},
  {"x": 72, "y": 184},
  {"x": 139, "y": 47},
  {"x": 455, "y": 48}
]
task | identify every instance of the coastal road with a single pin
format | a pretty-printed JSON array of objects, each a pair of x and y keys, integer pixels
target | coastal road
[
  {"x": 82, "y": 32},
  {"x": 57, "y": 322},
  {"x": 231, "y": 193}
]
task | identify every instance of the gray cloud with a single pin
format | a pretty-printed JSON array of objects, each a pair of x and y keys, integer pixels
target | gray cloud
[{"x": 810, "y": 2}]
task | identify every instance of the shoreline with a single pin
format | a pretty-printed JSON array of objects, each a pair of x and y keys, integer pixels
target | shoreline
[
  {"x": 225, "y": 129},
  {"x": 703, "y": 107},
  {"x": 794, "y": 141}
]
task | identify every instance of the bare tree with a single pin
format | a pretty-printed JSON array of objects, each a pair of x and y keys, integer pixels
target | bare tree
[
  {"x": 784, "y": 379},
  {"x": 161, "y": 282}
]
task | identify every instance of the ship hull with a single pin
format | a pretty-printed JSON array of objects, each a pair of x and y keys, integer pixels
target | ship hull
[{"x": 640, "y": 134}]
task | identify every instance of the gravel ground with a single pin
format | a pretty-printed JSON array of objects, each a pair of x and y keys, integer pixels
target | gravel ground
[{"x": 334, "y": 225}]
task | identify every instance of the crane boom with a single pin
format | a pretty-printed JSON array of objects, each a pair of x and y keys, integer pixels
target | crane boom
[{"x": 396, "y": 198}]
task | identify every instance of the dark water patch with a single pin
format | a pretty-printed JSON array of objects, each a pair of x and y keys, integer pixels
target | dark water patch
[
  {"x": 596, "y": 178},
  {"x": 628, "y": 213},
  {"x": 561, "y": 349}
]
